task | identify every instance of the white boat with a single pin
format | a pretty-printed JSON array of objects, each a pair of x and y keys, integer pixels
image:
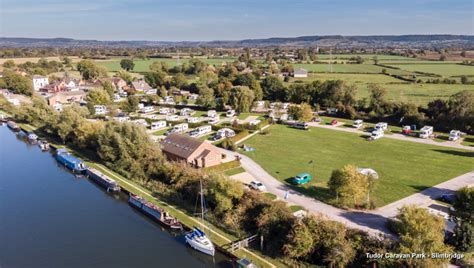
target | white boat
[
  {"x": 197, "y": 239},
  {"x": 32, "y": 137}
]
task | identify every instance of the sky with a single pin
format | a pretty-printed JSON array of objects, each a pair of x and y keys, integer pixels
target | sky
[{"x": 204, "y": 20}]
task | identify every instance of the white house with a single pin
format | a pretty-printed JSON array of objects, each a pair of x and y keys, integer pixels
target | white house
[
  {"x": 300, "y": 73},
  {"x": 100, "y": 109},
  {"x": 158, "y": 125},
  {"x": 39, "y": 82}
]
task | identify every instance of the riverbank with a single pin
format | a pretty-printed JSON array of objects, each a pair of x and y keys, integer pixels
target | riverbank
[{"x": 219, "y": 237}]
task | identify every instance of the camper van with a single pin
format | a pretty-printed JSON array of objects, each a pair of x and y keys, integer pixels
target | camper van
[
  {"x": 230, "y": 113},
  {"x": 358, "y": 123},
  {"x": 158, "y": 125},
  {"x": 147, "y": 109},
  {"x": 376, "y": 134},
  {"x": 426, "y": 132},
  {"x": 454, "y": 135},
  {"x": 382, "y": 126},
  {"x": 301, "y": 125}
]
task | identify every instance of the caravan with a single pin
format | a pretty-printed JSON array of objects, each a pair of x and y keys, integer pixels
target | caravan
[
  {"x": 358, "y": 123},
  {"x": 230, "y": 113},
  {"x": 381, "y": 126},
  {"x": 172, "y": 118},
  {"x": 192, "y": 119},
  {"x": 147, "y": 109},
  {"x": 426, "y": 132},
  {"x": 158, "y": 125},
  {"x": 454, "y": 135}
]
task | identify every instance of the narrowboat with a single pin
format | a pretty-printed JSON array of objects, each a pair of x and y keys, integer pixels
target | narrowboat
[
  {"x": 103, "y": 180},
  {"x": 156, "y": 213},
  {"x": 13, "y": 126},
  {"x": 70, "y": 161}
]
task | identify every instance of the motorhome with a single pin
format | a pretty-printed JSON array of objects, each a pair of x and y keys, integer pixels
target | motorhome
[
  {"x": 454, "y": 135},
  {"x": 358, "y": 123},
  {"x": 376, "y": 134},
  {"x": 382, "y": 126},
  {"x": 147, "y": 109},
  {"x": 301, "y": 125},
  {"x": 230, "y": 113},
  {"x": 426, "y": 132},
  {"x": 158, "y": 125}
]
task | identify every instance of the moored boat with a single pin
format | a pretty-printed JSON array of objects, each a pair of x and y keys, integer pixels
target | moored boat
[
  {"x": 44, "y": 145},
  {"x": 197, "y": 239},
  {"x": 156, "y": 213},
  {"x": 13, "y": 126},
  {"x": 103, "y": 180},
  {"x": 32, "y": 137},
  {"x": 69, "y": 161}
]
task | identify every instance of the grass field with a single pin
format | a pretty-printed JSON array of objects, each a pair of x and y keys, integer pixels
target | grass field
[
  {"x": 143, "y": 65},
  {"x": 404, "y": 167},
  {"x": 445, "y": 70}
]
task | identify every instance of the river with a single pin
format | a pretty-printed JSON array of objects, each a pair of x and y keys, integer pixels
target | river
[{"x": 51, "y": 218}]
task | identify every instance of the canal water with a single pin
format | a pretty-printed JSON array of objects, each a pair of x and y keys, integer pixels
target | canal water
[{"x": 51, "y": 218}]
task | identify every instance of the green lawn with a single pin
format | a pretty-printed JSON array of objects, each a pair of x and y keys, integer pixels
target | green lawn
[
  {"x": 404, "y": 167},
  {"x": 234, "y": 171}
]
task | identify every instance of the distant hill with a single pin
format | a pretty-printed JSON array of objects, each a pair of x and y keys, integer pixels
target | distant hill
[{"x": 373, "y": 41}]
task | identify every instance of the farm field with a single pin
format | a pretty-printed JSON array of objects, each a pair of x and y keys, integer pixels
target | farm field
[
  {"x": 403, "y": 167},
  {"x": 445, "y": 70},
  {"x": 143, "y": 65},
  {"x": 419, "y": 94},
  {"x": 350, "y": 78}
]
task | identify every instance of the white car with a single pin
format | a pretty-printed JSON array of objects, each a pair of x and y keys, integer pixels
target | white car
[{"x": 257, "y": 186}]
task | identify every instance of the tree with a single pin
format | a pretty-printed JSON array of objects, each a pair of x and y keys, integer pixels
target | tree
[
  {"x": 273, "y": 89},
  {"x": 375, "y": 59},
  {"x": 463, "y": 53},
  {"x": 158, "y": 66},
  {"x": 179, "y": 80},
  {"x": 464, "y": 80},
  {"x": 463, "y": 215},
  {"x": 97, "y": 96},
  {"x": 131, "y": 105},
  {"x": 155, "y": 79},
  {"x": 349, "y": 185},
  {"x": 9, "y": 64},
  {"x": 125, "y": 76},
  {"x": 89, "y": 70},
  {"x": 300, "y": 241},
  {"x": 377, "y": 98},
  {"x": 442, "y": 57},
  {"x": 127, "y": 64},
  {"x": 302, "y": 112},
  {"x": 223, "y": 193},
  {"x": 241, "y": 98},
  {"x": 229, "y": 144},
  {"x": 17, "y": 83},
  {"x": 206, "y": 98},
  {"x": 421, "y": 232},
  {"x": 109, "y": 88}
]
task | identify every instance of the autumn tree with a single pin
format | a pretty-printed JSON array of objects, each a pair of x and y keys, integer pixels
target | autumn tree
[
  {"x": 463, "y": 215},
  {"x": 421, "y": 232},
  {"x": 241, "y": 98},
  {"x": 90, "y": 71},
  {"x": 302, "y": 112},
  {"x": 350, "y": 186}
]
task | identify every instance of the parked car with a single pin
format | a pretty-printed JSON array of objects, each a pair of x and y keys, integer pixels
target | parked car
[
  {"x": 406, "y": 130},
  {"x": 301, "y": 178},
  {"x": 358, "y": 123},
  {"x": 334, "y": 122},
  {"x": 256, "y": 185},
  {"x": 448, "y": 198},
  {"x": 216, "y": 137}
]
